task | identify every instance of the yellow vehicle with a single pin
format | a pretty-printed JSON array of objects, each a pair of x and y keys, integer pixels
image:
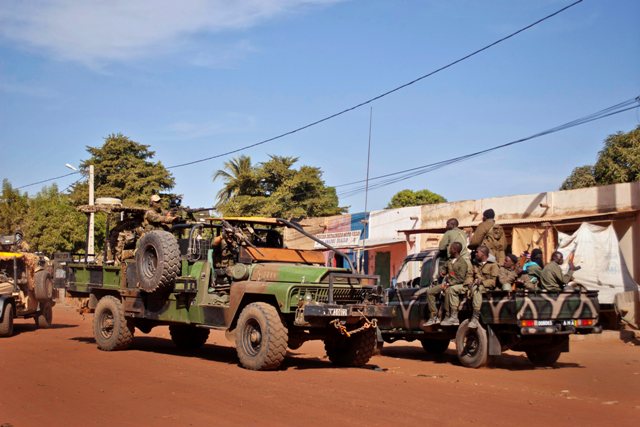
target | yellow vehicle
[{"x": 26, "y": 290}]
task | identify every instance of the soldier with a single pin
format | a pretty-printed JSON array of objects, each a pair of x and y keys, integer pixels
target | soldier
[
  {"x": 532, "y": 270},
  {"x": 485, "y": 274},
  {"x": 122, "y": 235},
  {"x": 552, "y": 279},
  {"x": 454, "y": 234},
  {"x": 156, "y": 217},
  {"x": 21, "y": 245},
  {"x": 508, "y": 274},
  {"x": 457, "y": 274},
  {"x": 491, "y": 235}
]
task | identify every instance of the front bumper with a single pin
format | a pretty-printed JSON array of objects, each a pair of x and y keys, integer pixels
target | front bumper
[{"x": 322, "y": 314}]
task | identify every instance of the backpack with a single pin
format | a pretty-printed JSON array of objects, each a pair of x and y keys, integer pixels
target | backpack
[{"x": 495, "y": 238}]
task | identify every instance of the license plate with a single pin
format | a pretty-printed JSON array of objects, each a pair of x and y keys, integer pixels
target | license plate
[{"x": 338, "y": 311}]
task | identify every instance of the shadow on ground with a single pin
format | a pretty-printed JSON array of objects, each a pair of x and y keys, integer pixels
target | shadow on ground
[
  {"x": 218, "y": 353},
  {"x": 19, "y": 328},
  {"x": 511, "y": 362}
]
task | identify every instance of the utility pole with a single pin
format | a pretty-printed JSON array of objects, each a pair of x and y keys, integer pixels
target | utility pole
[{"x": 91, "y": 231}]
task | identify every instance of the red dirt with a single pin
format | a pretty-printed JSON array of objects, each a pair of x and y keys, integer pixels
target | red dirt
[{"x": 58, "y": 377}]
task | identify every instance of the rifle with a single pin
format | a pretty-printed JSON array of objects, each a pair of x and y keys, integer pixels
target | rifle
[{"x": 238, "y": 235}]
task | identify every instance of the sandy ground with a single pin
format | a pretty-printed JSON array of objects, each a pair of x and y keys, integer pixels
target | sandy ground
[{"x": 58, "y": 377}]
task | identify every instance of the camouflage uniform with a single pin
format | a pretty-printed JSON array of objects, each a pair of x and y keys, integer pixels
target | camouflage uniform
[
  {"x": 155, "y": 218},
  {"x": 552, "y": 279},
  {"x": 486, "y": 274},
  {"x": 507, "y": 278},
  {"x": 491, "y": 235}
]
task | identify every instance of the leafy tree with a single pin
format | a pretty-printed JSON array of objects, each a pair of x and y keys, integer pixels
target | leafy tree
[
  {"x": 239, "y": 178},
  {"x": 618, "y": 161},
  {"x": 53, "y": 224},
  {"x": 274, "y": 188},
  {"x": 581, "y": 177},
  {"x": 414, "y": 198},
  {"x": 123, "y": 169},
  {"x": 13, "y": 208}
]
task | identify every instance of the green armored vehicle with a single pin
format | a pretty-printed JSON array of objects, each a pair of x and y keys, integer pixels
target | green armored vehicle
[
  {"x": 235, "y": 275},
  {"x": 537, "y": 323}
]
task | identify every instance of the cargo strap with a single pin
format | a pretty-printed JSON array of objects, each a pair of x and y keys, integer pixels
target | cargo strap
[{"x": 343, "y": 330}]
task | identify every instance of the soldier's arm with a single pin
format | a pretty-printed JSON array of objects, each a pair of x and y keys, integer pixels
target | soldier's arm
[{"x": 460, "y": 271}]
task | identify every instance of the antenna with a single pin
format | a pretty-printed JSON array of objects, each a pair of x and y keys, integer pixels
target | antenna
[{"x": 366, "y": 193}]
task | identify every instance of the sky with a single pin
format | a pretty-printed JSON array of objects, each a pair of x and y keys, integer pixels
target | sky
[{"x": 196, "y": 78}]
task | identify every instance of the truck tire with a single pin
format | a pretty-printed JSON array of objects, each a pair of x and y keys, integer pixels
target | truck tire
[
  {"x": 472, "y": 345},
  {"x": 6, "y": 325},
  {"x": 111, "y": 328},
  {"x": 435, "y": 346},
  {"x": 188, "y": 337},
  {"x": 355, "y": 350},
  {"x": 543, "y": 357},
  {"x": 261, "y": 337},
  {"x": 43, "y": 285},
  {"x": 44, "y": 319},
  {"x": 157, "y": 261}
]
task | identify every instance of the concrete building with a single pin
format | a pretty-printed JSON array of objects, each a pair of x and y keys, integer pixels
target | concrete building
[{"x": 387, "y": 236}]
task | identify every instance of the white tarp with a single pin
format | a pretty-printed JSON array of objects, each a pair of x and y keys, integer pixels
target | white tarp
[{"x": 597, "y": 251}]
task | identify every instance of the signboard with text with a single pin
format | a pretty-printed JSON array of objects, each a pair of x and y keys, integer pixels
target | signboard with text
[{"x": 340, "y": 239}]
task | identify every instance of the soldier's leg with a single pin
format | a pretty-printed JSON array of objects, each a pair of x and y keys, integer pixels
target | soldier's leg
[
  {"x": 453, "y": 301},
  {"x": 477, "y": 303},
  {"x": 432, "y": 293}
]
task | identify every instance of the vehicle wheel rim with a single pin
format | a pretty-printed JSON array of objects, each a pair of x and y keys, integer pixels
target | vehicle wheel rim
[
  {"x": 252, "y": 337},
  {"x": 150, "y": 262},
  {"x": 106, "y": 324},
  {"x": 471, "y": 344}
]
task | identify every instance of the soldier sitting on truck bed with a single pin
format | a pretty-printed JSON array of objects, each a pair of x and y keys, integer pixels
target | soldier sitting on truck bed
[
  {"x": 508, "y": 274},
  {"x": 485, "y": 274},
  {"x": 457, "y": 275},
  {"x": 553, "y": 280}
]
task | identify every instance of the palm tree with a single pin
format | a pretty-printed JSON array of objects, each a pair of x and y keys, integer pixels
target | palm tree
[{"x": 236, "y": 174}]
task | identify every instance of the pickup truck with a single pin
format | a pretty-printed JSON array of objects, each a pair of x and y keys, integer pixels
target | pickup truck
[{"x": 535, "y": 322}]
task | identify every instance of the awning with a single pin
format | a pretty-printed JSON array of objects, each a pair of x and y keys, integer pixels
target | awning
[{"x": 556, "y": 220}]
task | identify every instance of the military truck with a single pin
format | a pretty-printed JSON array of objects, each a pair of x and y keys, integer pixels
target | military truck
[
  {"x": 26, "y": 288},
  {"x": 232, "y": 274},
  {"x": 535, "y": 322}
]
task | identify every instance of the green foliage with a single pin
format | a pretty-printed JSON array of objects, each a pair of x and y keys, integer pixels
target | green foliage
[
  {"x": 581, "y": 177},
  {"x": 123, "y": 169},
  {"x": 13, "y": 209},
  {"x": 618, "y": 161},
  {"x": 274, "y": 189},
  {"x": 53, "y": 224},
  {"x": 414, "y": 198}
]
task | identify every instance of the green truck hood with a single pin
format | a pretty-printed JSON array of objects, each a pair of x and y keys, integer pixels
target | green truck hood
[{"x": 291, "y": 273}]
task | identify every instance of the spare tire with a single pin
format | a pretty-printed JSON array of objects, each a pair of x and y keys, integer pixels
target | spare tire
[
  {"x": 157, "y": 261},
  {"x": 43, "y": 284}
]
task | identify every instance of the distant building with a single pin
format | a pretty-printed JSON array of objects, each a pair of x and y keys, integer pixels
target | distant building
[{"x": 387, "y": 236}]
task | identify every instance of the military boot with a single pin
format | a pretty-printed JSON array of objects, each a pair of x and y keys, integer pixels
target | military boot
[
  {"x": 451, "y": 320},
  {"x": 433, "y": 320},
  {"x": 475, "y": 320}
]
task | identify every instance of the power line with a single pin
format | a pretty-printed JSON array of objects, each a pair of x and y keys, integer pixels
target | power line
[
  {"x": 46, "y": 180},
  {"x": 354, "y": 107},
  {"x": 413, "y": 172},
  {"x": 382, "y": 95}
]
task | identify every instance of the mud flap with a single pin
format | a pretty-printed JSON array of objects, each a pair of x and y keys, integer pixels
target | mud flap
[{"x": 495, "y": 348}]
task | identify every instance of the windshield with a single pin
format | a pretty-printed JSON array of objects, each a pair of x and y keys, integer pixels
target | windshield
[{"x": 409, "y": 271}]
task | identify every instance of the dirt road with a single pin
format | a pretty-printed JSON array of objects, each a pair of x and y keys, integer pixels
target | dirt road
[{"x": 58, "y": 377}]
